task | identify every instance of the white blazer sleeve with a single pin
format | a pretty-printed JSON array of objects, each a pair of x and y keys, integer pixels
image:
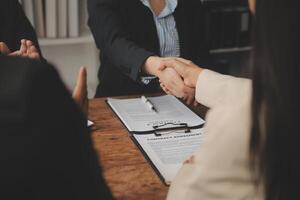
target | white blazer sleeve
[{"x": 213, "y": 89}]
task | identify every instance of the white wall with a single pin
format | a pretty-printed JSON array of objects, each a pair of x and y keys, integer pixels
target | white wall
[
  {"x": 68, "y": 58},
  {"x": 70, "y": 53}
]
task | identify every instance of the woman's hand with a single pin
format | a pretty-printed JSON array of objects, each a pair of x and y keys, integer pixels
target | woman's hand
[
  {"x": 154, "y": 65},
  {"x": 191, "y": 160}
]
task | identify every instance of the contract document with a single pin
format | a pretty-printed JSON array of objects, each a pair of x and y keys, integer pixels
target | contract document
[
  {"x": 167, "y": 153},
  {"x": 166, "y": 131}
]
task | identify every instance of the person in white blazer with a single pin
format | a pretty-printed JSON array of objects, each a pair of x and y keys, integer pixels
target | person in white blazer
[
  {"x": 218, "y": 169},
  {"x": 250, "y": 148}
]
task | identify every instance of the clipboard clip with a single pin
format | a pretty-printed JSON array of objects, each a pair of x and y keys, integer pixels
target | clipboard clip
[{"x": 168, "y": 128}]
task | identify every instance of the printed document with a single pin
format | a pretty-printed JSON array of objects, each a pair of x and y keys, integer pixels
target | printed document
[
  {"x": 167, "y": 153},
  {"x": 137, "y": 117}
]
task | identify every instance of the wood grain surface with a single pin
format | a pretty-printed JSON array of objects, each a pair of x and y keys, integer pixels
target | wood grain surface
[{"x": 125, "y": 169}]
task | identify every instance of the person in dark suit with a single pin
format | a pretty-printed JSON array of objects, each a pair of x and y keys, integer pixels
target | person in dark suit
[
  {"x": 134, "y": 35},
  {"x": 45, "y": 146},
  {"x": 17, "y": 36}
]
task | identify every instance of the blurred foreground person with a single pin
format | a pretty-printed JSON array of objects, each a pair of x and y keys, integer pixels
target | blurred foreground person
[{"x": 45, "y": 147}]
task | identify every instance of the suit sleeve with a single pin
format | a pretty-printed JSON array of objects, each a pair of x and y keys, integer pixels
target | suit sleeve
[
  {"x": 112, "y": 38},
  {"x": 215, "y": 89},
  {"x": 66, "y": 164}
]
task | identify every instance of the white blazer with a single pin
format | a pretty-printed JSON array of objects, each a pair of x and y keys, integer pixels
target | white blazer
[{"x": 221, "y": 167}]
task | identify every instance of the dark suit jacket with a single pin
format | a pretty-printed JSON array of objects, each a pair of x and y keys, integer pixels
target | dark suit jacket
[
  {"x": 125, "y": 33},
  {"x": 14, "y": 25},
  {"x": 45, "y": 146}
]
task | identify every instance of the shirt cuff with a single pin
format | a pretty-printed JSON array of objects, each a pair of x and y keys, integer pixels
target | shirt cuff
[{"x": 147, "y": 79}]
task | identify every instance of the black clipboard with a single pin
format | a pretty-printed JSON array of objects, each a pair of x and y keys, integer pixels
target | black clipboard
[{"x": 156, "y": 131}]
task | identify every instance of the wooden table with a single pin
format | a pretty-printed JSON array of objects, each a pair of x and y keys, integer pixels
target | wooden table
[{"x": 125, "y": 169}]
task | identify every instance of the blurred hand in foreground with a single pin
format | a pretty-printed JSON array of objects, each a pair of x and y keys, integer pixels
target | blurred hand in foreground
[
  {"x": 27, "y": 50},
  {"x": 80, "y": 93}
]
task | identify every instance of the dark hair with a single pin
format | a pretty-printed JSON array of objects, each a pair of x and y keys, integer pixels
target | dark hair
[{"x": 275, "y": 137}]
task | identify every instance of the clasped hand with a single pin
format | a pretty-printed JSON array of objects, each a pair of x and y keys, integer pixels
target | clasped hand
[{"x": 177, "y": 76}]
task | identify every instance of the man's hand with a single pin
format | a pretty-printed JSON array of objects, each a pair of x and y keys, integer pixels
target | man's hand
[
  {"x": 186, "y": 69},
  {"x": 154, "y": 65},
  {"x": 80, "y": 93}
]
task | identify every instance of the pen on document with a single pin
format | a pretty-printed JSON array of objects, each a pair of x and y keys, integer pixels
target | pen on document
[{"x": 148, "y": 103}]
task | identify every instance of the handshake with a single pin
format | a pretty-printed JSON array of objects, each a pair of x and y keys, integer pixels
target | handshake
[{"x": 177, "y": 76}]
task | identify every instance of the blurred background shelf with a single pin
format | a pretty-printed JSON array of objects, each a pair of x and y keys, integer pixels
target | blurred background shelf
[
  {"x": 70, "y": 43},
  {"x": 231, "y": 50}
]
